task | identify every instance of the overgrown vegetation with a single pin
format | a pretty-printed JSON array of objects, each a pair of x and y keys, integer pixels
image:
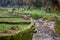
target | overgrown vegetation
[
  {"x": 57, "y": 27},
  {"x": 21, "y": 35}
]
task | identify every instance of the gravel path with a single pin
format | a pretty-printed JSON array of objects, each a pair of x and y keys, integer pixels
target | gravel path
[{"x": 45, "y": 31}]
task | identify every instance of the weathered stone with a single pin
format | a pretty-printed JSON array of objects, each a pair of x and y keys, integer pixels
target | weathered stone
[
  {"x": 26, "y": 17},
  {"x": 14, "y": 28}
]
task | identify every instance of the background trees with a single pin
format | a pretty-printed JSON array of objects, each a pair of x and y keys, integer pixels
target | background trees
[{"x": 35, "y": 3}]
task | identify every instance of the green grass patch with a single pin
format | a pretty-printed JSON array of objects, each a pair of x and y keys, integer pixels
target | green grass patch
[
  {"x": 33, "y": 11},
  {"x": 8, "y": 26},
  {"x": 13, "y": 20}
]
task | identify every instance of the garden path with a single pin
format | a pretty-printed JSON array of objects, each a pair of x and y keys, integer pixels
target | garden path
[{"x": 45, "y": 31}]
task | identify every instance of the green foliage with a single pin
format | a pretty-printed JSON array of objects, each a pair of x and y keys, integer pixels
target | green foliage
[
  {"x": 13, "y": 20},
  {"x": 57, "y": 27},
  {"x": 24, "y": 35},
  {"x": 48, "y": 17},
  {"x": 8, "y": 26},
  {"x": 36, "y": 16},
  {"x": 44, "y": 17}
]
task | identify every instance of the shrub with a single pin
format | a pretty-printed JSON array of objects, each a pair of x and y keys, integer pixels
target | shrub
[
  {"x": 57, "y": 27},
  {"x": 48, "y": 17},
  {"x": 36, "y": 16}
]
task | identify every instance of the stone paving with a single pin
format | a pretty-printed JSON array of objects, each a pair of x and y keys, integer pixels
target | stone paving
[{"x": 45, "y": 30}]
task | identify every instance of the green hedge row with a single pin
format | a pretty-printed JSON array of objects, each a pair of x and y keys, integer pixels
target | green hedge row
[{"x": 24, "y": 35}]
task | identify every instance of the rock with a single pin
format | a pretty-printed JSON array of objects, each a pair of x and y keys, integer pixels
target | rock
[
  {"x": 14, "y": 28},
  {"x": 57, "y": 38},
  {"x": 25, "y": 17},
  {"x": 51, "y": 24}
]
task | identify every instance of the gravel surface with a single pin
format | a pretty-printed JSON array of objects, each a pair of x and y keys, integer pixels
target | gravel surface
[{"x": 45, "y": 31}]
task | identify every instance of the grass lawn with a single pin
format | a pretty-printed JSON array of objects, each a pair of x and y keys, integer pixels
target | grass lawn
[
  {"x": 13, "y": 20},
  {"x": 33, "y": 11},
  {"x": 8, "y": 26}
]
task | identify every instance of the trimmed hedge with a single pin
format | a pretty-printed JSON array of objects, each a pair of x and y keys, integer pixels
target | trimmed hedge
[{"x": 23, "y": 35}]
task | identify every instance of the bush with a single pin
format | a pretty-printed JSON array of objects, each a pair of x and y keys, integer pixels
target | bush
[
  {"x": 48, "y": 17},
  {"x": 35, "y": 16},
  {"x": 57, "y": 27}
]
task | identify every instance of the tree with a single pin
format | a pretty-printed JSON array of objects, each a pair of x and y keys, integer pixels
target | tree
[{"x": 37, "y": 3}]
